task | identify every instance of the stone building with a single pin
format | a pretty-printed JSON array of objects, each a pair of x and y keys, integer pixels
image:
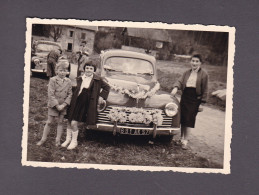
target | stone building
[{"x": 71, "y": 37}]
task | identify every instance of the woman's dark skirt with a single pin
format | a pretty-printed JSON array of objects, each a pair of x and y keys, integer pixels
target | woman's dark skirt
[
  {"x": 189, "y": 107},
  {"x": 78, "y": 112}
]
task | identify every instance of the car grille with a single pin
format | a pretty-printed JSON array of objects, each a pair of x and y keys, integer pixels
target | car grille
[{"x": 103, "y": 118}]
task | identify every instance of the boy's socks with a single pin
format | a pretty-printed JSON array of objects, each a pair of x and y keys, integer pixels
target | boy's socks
[
  {"x": 44, "y": 135},
  {"x": 59, "y": 134}
]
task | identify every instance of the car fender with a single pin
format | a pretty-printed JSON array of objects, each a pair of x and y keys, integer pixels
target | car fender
[{"x": 160, "y": 99}]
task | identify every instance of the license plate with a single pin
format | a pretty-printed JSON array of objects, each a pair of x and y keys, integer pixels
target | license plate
[{"x": 134, "y": 131}]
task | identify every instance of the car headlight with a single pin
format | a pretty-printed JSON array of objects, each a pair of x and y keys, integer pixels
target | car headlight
[
  {"x": 36, "y": 61},
  {"x": 171, "y": 109},
  {"x": 101, "y": 106}
]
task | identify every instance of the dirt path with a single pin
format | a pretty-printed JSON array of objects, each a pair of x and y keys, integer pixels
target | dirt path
[{"x": 207, "y": 139}]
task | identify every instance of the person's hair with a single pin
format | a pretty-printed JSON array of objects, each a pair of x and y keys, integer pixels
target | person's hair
[
  {"x": 84, "y": 42},
  {"x": 78, "y": 52},
  {"x": 197, "y": 56},
  {"x": 62, "y": 64},
  {"x": 90, "y": 63},
  {"x": 85, "y": 53}
]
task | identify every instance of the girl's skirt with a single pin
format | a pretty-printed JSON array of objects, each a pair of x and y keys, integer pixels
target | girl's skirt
[
  {"x": 189, "y": 107},
  {"x": 78, "y": 112}
]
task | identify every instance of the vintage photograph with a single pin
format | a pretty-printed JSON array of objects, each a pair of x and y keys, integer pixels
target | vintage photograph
[{"x": 128, "y": 95}]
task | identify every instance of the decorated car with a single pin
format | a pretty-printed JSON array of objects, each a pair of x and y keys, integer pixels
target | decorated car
[{"x": 135, "y": 105}]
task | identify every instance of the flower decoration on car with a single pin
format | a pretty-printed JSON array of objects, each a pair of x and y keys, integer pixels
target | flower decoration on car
[
  {"x": 135, "y": 94},
  {"x": 157, "y": 119},
  {"x": 136, "y": 115}
]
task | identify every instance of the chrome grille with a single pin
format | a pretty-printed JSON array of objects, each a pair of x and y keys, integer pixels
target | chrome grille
[{"x": 102, "y": 118}]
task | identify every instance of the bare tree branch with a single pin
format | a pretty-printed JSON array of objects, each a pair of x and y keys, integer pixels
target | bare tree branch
[{"x": 56, "y": 32}]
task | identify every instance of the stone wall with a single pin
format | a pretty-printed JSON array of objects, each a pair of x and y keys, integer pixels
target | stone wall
[{"x": 77, "y": 38}]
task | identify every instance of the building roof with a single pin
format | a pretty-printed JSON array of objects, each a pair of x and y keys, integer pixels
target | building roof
[
  {"x": 155, "y": 34},
  {"x": 92, "y": 28}
]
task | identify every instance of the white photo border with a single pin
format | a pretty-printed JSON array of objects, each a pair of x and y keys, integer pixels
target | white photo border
[{"x": 194, "y": 27}]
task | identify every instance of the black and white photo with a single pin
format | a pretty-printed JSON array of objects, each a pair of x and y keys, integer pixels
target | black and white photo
[{"x": 128, "y": 96}]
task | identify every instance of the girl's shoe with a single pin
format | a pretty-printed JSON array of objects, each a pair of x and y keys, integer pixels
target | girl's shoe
[
  {"x": 178, "y": 142},
  {"x": 73, "y": 143},
  {"x": 68, "y": 138},
  {"x": 184, "y": 144}
]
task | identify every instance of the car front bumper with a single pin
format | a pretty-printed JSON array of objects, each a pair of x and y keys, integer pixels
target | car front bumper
[
  {"x": 117, "y": 129},
  {"x": 38, "y": 71}
]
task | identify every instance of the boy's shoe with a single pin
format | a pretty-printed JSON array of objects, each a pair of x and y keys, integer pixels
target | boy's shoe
[
  {"x": 40, "y": 142},
  {"x": 57, "y": 143}
]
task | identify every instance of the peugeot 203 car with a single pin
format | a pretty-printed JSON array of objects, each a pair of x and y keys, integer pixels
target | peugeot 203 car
[{"x": 135, "y": 105}]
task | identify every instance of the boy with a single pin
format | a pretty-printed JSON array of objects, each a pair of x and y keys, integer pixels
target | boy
[{"x": 59, "y": 97}]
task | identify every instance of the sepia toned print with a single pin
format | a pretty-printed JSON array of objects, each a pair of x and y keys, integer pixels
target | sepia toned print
[{"x": 146, "y": 96}]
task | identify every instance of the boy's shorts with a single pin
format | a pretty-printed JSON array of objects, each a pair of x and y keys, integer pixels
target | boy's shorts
[{"x": 55, "y": 112}]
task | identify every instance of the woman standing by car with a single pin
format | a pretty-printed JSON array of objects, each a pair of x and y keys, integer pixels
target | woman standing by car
[{"x": 194, "y": 86}]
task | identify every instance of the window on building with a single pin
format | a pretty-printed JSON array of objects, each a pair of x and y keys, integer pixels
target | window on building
[
  {"x": 69, "y": 46},
  {"x": 71, "y": 33},
  {"x": 82, "y": 35}
]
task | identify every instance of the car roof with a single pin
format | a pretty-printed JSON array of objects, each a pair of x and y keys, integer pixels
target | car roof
[
  {"x": 48, "y": 42},
  {"x": 126, "y": 53}
]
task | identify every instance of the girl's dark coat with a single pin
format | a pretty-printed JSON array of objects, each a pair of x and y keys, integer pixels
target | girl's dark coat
[{"x": 96, "y": 84}]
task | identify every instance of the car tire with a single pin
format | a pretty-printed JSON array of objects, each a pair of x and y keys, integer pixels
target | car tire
[
  {"x": 33, "y": 74},
  {"x": 166, "y": 138},
  {"x": 88, "y": 133}
]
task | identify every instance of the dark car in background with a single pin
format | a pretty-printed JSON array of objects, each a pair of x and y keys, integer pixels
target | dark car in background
[{"x": 40, "y": 51}]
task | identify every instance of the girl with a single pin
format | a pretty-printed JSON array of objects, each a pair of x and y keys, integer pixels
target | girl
[
  {"x": 59, "y": 96},
  {"x": 84, "y": 102},
  {"x": 194, "y": 84}
]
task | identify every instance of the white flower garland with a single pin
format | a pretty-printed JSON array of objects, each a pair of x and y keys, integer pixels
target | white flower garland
[
  {"x": 135, "y": 94},
  {"x": 136, "y": 115}
]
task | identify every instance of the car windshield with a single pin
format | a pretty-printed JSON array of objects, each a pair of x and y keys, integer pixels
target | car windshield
[
  {"x": 129, "y": 66},
  {"x": 42, "y": 47}
]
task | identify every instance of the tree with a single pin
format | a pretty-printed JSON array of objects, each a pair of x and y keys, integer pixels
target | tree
[
  {"x": 147, "y": 42},
  {"x": 142, "y": 38},
  {"x": 55, "y": 32},
  {"x": 108, "y": 40}
]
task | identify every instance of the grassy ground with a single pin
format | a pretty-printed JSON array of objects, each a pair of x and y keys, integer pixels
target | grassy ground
[
  {"x": 169, "y": 72},
  {"x": 99, "y": 147}
]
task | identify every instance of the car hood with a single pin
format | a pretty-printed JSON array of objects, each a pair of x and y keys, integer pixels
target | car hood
[
  {"x": 41, "y": 54},
  {"x": 136, "y": 92}
]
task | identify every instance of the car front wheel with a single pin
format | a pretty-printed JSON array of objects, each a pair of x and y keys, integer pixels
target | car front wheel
[{"x": 166, "y": 138}]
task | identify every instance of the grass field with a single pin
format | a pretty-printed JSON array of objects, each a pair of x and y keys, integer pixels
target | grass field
[{"x": 99, "y": 147}]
